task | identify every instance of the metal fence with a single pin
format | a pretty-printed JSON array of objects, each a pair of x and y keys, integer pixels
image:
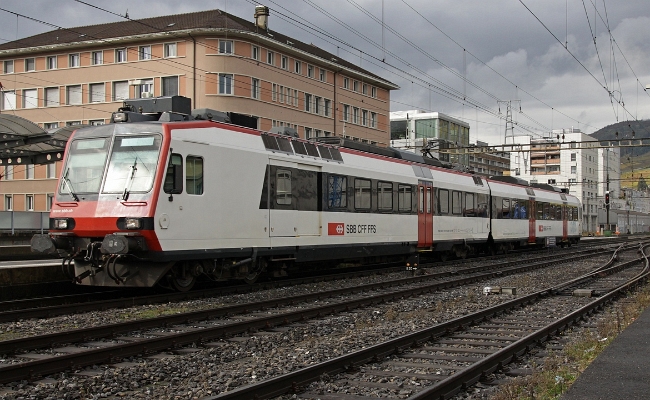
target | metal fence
[{"x": 24, "y": 221}]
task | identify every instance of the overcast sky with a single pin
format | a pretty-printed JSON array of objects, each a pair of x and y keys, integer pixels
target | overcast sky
[{"x": 459, "y": 57}]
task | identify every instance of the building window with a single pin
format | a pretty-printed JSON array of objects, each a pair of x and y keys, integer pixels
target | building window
[
  {"x": 322, "y": 75},
  {"x": 97, "y": 57},
  {"x": 295, "y": 97},
  {"x": 364, "y": 89},
  {"x": 327, "y": 106},
  {"x": 281, "y": 94},
  {"x": 255, "y": 88},
  {"x": 50, "y": 201},
  {"x": 310, "y": 71},
  {"x": 96, "y": 122},
  {"x": 346, "y": 113},
  {"x": 308, "y": 133},
  {"x": 9, "y": 173},
  {"x": 225, "y": 84},
  {"x": 346, "y": 83},
  {"x": 52, "y": 97},
  {"x": 73, "y": 123},
  {"x": 355, "y": 115},
  {"x": 285, "y": 62},
  {"x": 29, "y": 171},
  {"x": 574, "y": 169},
  {"x": 170, "y": 86},
  {"x": 50, "y": 62},
  {"x": 8, "y": 67},
  {"x": 373, "y": 120},
  {"x": 146, "y": 89},
  {"x": 120, "y": 90},
  {"x": 194, "y": 175},
  {"x": 573, "y": 156},
  {"x": 29, "y": 202},
  {"x": 255, "y": 55},
  {"x": 50, "y": 125},
  {"x": 270, "y": 57},
  {"x": 373, "y": 92},
  {"x": 73, "y": 95},
  {"x": 144, "y": 53},
  {"x": 364, "y": 117},
  {"x": 308, "y": 102},
  {"x": 97, "y": 92},
  {"x": 73, "y": 60},
  {"x": 274, "y": 92},
  {"x": 297, "y": 67},
  {"x": 30, "y": 64},
  {"x": 318, "y": 109},
  {"x": 9, "y": 202},
  {"x": 225, "y": 46},
  {"x": 120, "y": 55},
  {"x": 8, "y": 100},
  {"x": 356, "y": 86},
  {"x": 50, "y": 170},
  {"x": 30, "y": 98},
  {"x": 170, "y": 50}
]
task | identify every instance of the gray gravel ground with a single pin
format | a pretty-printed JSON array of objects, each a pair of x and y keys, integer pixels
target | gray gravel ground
[{"x": 245, "y": 359}]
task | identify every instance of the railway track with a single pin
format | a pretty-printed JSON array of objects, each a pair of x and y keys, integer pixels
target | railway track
[
  {"x": 74, "y": 349},
  {"x": 439, "y": 361},
  {"x": 47, "y": 307}
]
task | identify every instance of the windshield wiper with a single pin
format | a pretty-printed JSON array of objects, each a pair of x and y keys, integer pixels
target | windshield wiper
[
  {"x": 129, "y": 180},
  {"x": 67, "y": 183}
]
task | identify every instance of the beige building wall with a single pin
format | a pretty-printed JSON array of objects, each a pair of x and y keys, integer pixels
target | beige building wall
[{"x": 318, "y": 97}]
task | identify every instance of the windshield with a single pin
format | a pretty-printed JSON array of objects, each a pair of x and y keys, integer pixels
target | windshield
[
  {"x": 132, "y": 165},
  {"x": 85, "y": 166}
]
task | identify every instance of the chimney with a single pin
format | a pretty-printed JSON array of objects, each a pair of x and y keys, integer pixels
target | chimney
[{"x": 262, "y": 17}]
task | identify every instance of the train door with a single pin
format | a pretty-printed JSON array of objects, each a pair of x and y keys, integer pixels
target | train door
[
  {"x": 565, "y": 221},
  {"x": 531, "y": 221},
  {"x": 425, "y": 214},
  {"x": 293, "y": 192}
]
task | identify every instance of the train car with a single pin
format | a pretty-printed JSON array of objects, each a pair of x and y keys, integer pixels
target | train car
[
  {"x": 164, "y": 198},
  {"x": 524, "y": 215}
]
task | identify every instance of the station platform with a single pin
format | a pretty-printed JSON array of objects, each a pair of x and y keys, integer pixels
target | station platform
[{"x": 622, "y": 370}]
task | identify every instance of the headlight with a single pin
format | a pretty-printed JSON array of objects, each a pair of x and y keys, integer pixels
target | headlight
[
  {"x": 133, "y": 223},
  {"x": 60, "y": 224}
]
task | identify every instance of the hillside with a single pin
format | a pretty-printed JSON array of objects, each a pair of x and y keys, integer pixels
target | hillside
[{"x": 635, "y": 162}]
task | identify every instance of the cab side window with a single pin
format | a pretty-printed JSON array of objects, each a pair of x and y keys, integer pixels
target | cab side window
[
  {"x": 194, "y": 175},
  {"x": 173, "y": 182}
]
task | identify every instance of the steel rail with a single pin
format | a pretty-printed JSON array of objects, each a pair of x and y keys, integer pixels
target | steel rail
[
  {"x": 291, "y": 381},
  {"x": 31, "y": 369}
]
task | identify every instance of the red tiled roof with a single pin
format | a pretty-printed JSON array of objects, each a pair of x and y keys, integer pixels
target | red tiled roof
[{"x": 210, "y": 19}]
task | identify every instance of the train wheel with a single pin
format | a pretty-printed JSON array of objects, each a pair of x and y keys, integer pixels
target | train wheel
[
  {"x": 259, "y": 268},
  {"x": 183, "y": 284}
]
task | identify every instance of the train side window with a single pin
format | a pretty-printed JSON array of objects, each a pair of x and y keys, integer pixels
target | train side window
[
  {"x": 404, "y": 198},
  {"x": 540, "y": 210},
  {"x": 421, "y": 199},
  {"x": 515, "y": 209},
  {"x": 482, "y": 205},
  {"x": 469, "y": 210},
  {"x": 547, "y": 211},
  {"x": 362, "y": 194},
  {"x": 443, "y": 201},
  {"x": 505, "y": 208},
  {"x": 523, "y": 212},
  {"x": 456, "y": 203},
  {"x": 384, "y": 196},
  {"x": 558, "y": 212},
  {"x": 337, "y": 191},
  {"x": 283, "y": 186},
  {"x": 194, "y": 175},
  {"x": 174, "y": 176}
]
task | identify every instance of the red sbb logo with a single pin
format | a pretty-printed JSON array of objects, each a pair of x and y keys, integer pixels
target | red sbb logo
[{"x": 336, "y": 228}]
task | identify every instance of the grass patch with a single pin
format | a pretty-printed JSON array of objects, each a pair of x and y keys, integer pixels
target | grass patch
[{"x": 557, "y": 374}]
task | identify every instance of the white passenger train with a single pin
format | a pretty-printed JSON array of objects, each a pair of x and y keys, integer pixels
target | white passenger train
[{"x": 146, "y": 203}]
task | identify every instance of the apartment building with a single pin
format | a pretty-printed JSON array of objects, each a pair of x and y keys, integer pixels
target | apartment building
[{"x": 80, "y": 75}]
